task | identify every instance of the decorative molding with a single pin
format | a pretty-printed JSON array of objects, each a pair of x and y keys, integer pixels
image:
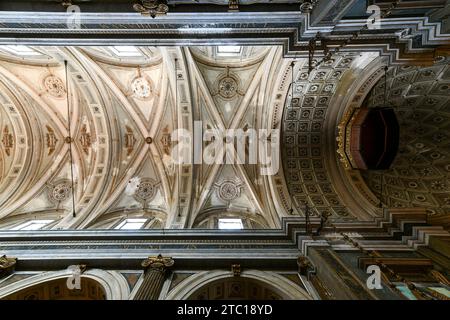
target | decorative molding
[
  {"x": 307, "y": 6},
  {"x": 236, "y": 270},
  {"x": 59, "y": 191},
  {"x": 151, "y": 8},
  {"x": 7, "y": 265},
  {"x": 284, "y": 243},
  {"x": 68, "y": 3},
  {"x": 54, "y": 86},
  {"x": 114, "y": 284},
  {"x": 343, "y": 140},
  {"x": 146, "y": 190},
  {"x": 166, "y": 140},
  {"x": 342, "y": 115},
  {"x": 85, "y": 139},
  {"x": 290, "y": 29},
  {"x": 51, "y": 140},
  {"x": 159, "y": 263},
  {"x": 7, "y": 140},
  {"x": 233, "y": 5},
  {"x": 141, "y": 87},
  {"x": 229, "y": 190},
  {"x": 305, "y": 266},
  {"x": 130, "y": 140},
  {"x": 287, "y": 288}
]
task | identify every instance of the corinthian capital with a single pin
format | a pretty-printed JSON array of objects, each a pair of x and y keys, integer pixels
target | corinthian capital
[
  {"x": 6, "y": 265},
  {"x": 159, "y": 262},
  {"x": 304, "y": 265}
]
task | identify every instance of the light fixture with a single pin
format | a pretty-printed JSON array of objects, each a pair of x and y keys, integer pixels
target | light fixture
[
  {"x": 307, "y": 214},
  {"x": 181, "y": 166}
]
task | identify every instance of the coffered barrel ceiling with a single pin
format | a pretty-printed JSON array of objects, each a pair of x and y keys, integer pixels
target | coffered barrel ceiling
[
  {"x": 309, "y": 137},
  {"x": 420, "y": 175},
  {"x": 317, "y": 104},
  {"x": 124, "y": 103}
]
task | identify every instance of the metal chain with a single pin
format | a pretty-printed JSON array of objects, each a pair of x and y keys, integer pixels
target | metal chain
[{"x": 69, "y": 138}]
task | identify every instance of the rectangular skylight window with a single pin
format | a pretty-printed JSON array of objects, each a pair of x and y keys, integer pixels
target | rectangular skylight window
[
  {"x": 32, "y": 225},
  {"x": 131, "y": 224},
  {"x": 126, "y": 51},
  {"x": 21, "y": 50},
  {"x": 230, "y": 224},
  {"x": 228, "y": 50}
]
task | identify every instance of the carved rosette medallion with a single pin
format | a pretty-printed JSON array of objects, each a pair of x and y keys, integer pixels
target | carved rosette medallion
[
  {"x": 145, "y": 190},
  {"x": 60, "y": 192},
  {"x": 229, "y": 191},
  {"x": 54, "y": 86},
  {"x": 141, "y": 88},
  {"x": 228, "y": 87}
]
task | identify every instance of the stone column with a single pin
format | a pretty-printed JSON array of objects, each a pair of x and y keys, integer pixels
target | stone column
[{"x": 154, "y": 276}]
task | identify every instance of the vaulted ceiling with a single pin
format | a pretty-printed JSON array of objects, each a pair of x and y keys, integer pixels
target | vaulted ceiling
[
  {"x": 124, "y": 104},
  {"x": 420, "y": 176},
  {"x": 115, "y": 119}
]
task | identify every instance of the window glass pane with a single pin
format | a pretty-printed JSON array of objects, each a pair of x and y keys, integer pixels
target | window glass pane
[
  {"x": 229, "y": 224},
  {"x": 126, "y": 51},
  {"x": 228, "y": 50},
  {"x": 22, "y": 50},
  {"x": 131, "y": 224},
  {"x": 32, "y": 225}
]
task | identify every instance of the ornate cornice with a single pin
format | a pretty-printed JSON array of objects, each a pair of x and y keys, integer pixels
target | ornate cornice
[
  {"x": 404, "y": 40},
  {"x": 7, "y": 265},
  {"x": 151, "y": 8},
  {"x": 254, "y": 248},
  {"x": 159, "y": 263},
  {"x": 343, "y": 140}
]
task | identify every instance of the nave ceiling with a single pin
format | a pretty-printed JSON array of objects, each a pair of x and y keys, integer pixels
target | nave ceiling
[{"x": 124, "y": 104}]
